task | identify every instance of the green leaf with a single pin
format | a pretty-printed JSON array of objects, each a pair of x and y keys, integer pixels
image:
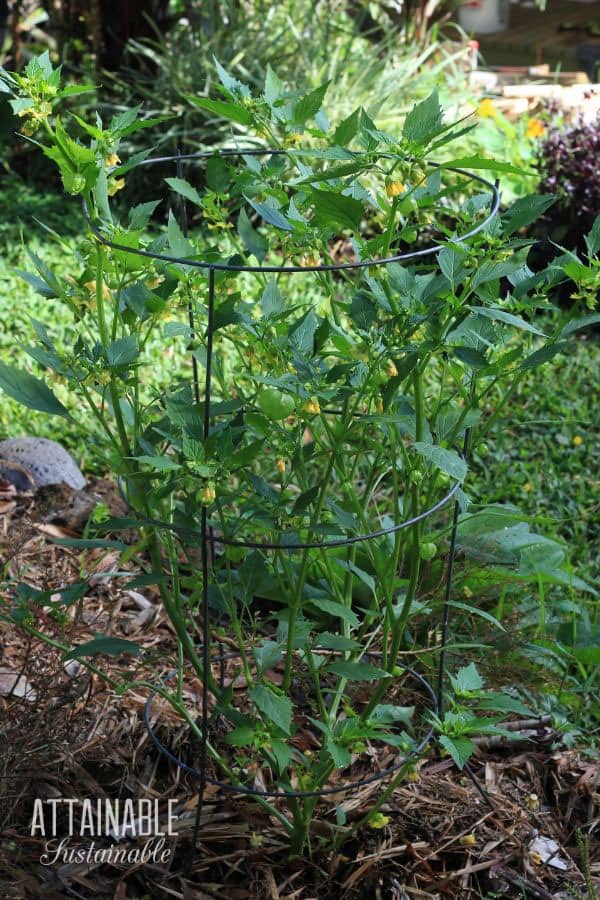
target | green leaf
[
  {"x": 108, "y": 646},
  {"x": 274, "y": 87},
  {"x": 544, "y": 354},
  {"x": 499, "y": 315},
  {"x": 593, "y": 238},
  {"x": 333, "y": 608},
  {"x": 356, "y": 671},
  {"x": 329, "y": 641},
  {"x": 347, "y": 129},
  {"x": 467, "y": 680},
  {"x": 231, "y": 111},
  {"x": 254, "y": 242},
  {"x": 271, "y": 302},
  {"x": 332, "y": 208},
  {"x": 495, "y": 701},
  {"x": 183, "y": 187},
  {"x": 424, "y": 120},
  {"x": 282, "y": 754},
  {"x": 579, "y": 323},
  {"x": 302, "y": 334},
  {"x": 460, "y": 748},
  {"x": 275, "y": 707},
  {"x": 524, "y": 211},
  {"x": 363, "y": 311},
  {"x": 491, "y": 165},
  {"x": 340, "y": 755},
  {"x": 308, "y": 106},
  {"x": 230, "y": 83},
  {"x": 139, "y": 215},
  {"x": 447, "y": 460},
  {"x": 29, "y": 391},
  {"x": 122, "y": 352},
  {"x": 160, "y": 463},
  {"x": 385, "y": 713},
  {"x": 242, "y": 736},
  {"x": 267, "y": 655},
  {"x": 270, "y": 215}
]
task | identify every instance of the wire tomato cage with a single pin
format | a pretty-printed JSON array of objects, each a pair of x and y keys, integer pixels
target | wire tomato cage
[{"x": 287, "y": 544}]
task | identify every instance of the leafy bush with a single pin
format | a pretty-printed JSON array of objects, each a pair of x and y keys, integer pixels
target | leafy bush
[
  {"x": 568, "y": 165},
  {"x": 337, "y": 409}
]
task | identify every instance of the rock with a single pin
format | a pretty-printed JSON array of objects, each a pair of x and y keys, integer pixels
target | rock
[{"x": 46, "y": 461}]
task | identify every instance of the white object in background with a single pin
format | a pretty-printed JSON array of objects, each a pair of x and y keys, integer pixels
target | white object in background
[{"x": 484, "y": 16}]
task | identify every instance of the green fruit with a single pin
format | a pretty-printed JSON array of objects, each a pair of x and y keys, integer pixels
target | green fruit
[
  {"x": 415, "y": 476},
  {"x": 483, "y": 449},
  {"x": 275, "y": 404},
  {"x": 427, "y": 550}
]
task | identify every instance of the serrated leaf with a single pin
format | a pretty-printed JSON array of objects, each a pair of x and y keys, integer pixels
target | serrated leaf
[
  {"x": 544, "y": 354},
  {"x": 524, "y": 211},
  {"x": 460, "y": 748},
  {"x": 267, "y": 655},
  {"x": 347, "y": 129},
  {"x": 579, "y": 323},
  {"x": 385, "y": 713},
  {"x": 29, "y": 391},
  {"x": 467, "y": 680},
  {"x": 231, "y": 111},
  {"x": 122, "y": 352},
  {"x": 340, "y": 755},
  {"x": 271, "y": 215},
  {"x": 328, "y": 641},
  {"x": 500, "y": 315},
  {"x": 333, "y": 608},
  {"x": 480, "y": 162},
  {"x": 109, "y": 646},
  {"x": 276, "y": 707},
  {"x": 274, "y": 87},
  {"x": 356, "y": 671},
  {"x": 254, "y": 242},
  {"x": 447, "y": 460},
  {"x": 332, "y": 208},
  {"x": 242, "y": 736},
  {"x": 592, "y": 239},
  {"x": 187, "y": 190},
  {"x": 424, "y": 120},
  {"x": 308, "y": 106}
]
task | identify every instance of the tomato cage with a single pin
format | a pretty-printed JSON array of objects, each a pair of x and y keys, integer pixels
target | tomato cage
[{"x": 211, "y": 534}]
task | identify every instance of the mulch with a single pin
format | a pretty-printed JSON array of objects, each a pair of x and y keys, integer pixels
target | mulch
[{"x": 481, "y": 833}]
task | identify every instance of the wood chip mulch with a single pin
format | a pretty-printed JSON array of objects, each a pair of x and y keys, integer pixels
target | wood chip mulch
[{"x": 64, "y": 733}]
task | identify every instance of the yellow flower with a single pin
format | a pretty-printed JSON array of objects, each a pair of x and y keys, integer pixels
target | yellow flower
[
  {"x": 486, "y": 109},
  {"x": 112, "y": 159},
  {"x": 527, "y": 487},
  {"x": 114, "y": 185},
  {"x": 390, "y": 370},
  {"x": 394, "y": 188},
  {"x": 294, "y": 138},
  {"x": 280, "y": 466},
  {"x": 312, "y": 407},
  {"x": 577, "y": 440},
  {"x": 90, "y": 286},
  {"x": 378, "y": 820},
  {"x": 535, "y": 129},
  {"x": 311, "y": 259}
]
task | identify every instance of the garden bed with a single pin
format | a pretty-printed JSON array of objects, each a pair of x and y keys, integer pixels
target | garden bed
[{"x": 440, "y": 834}]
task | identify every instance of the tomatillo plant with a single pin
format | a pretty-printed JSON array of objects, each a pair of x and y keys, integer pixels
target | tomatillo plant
[{"x": 339, "y": 399}]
